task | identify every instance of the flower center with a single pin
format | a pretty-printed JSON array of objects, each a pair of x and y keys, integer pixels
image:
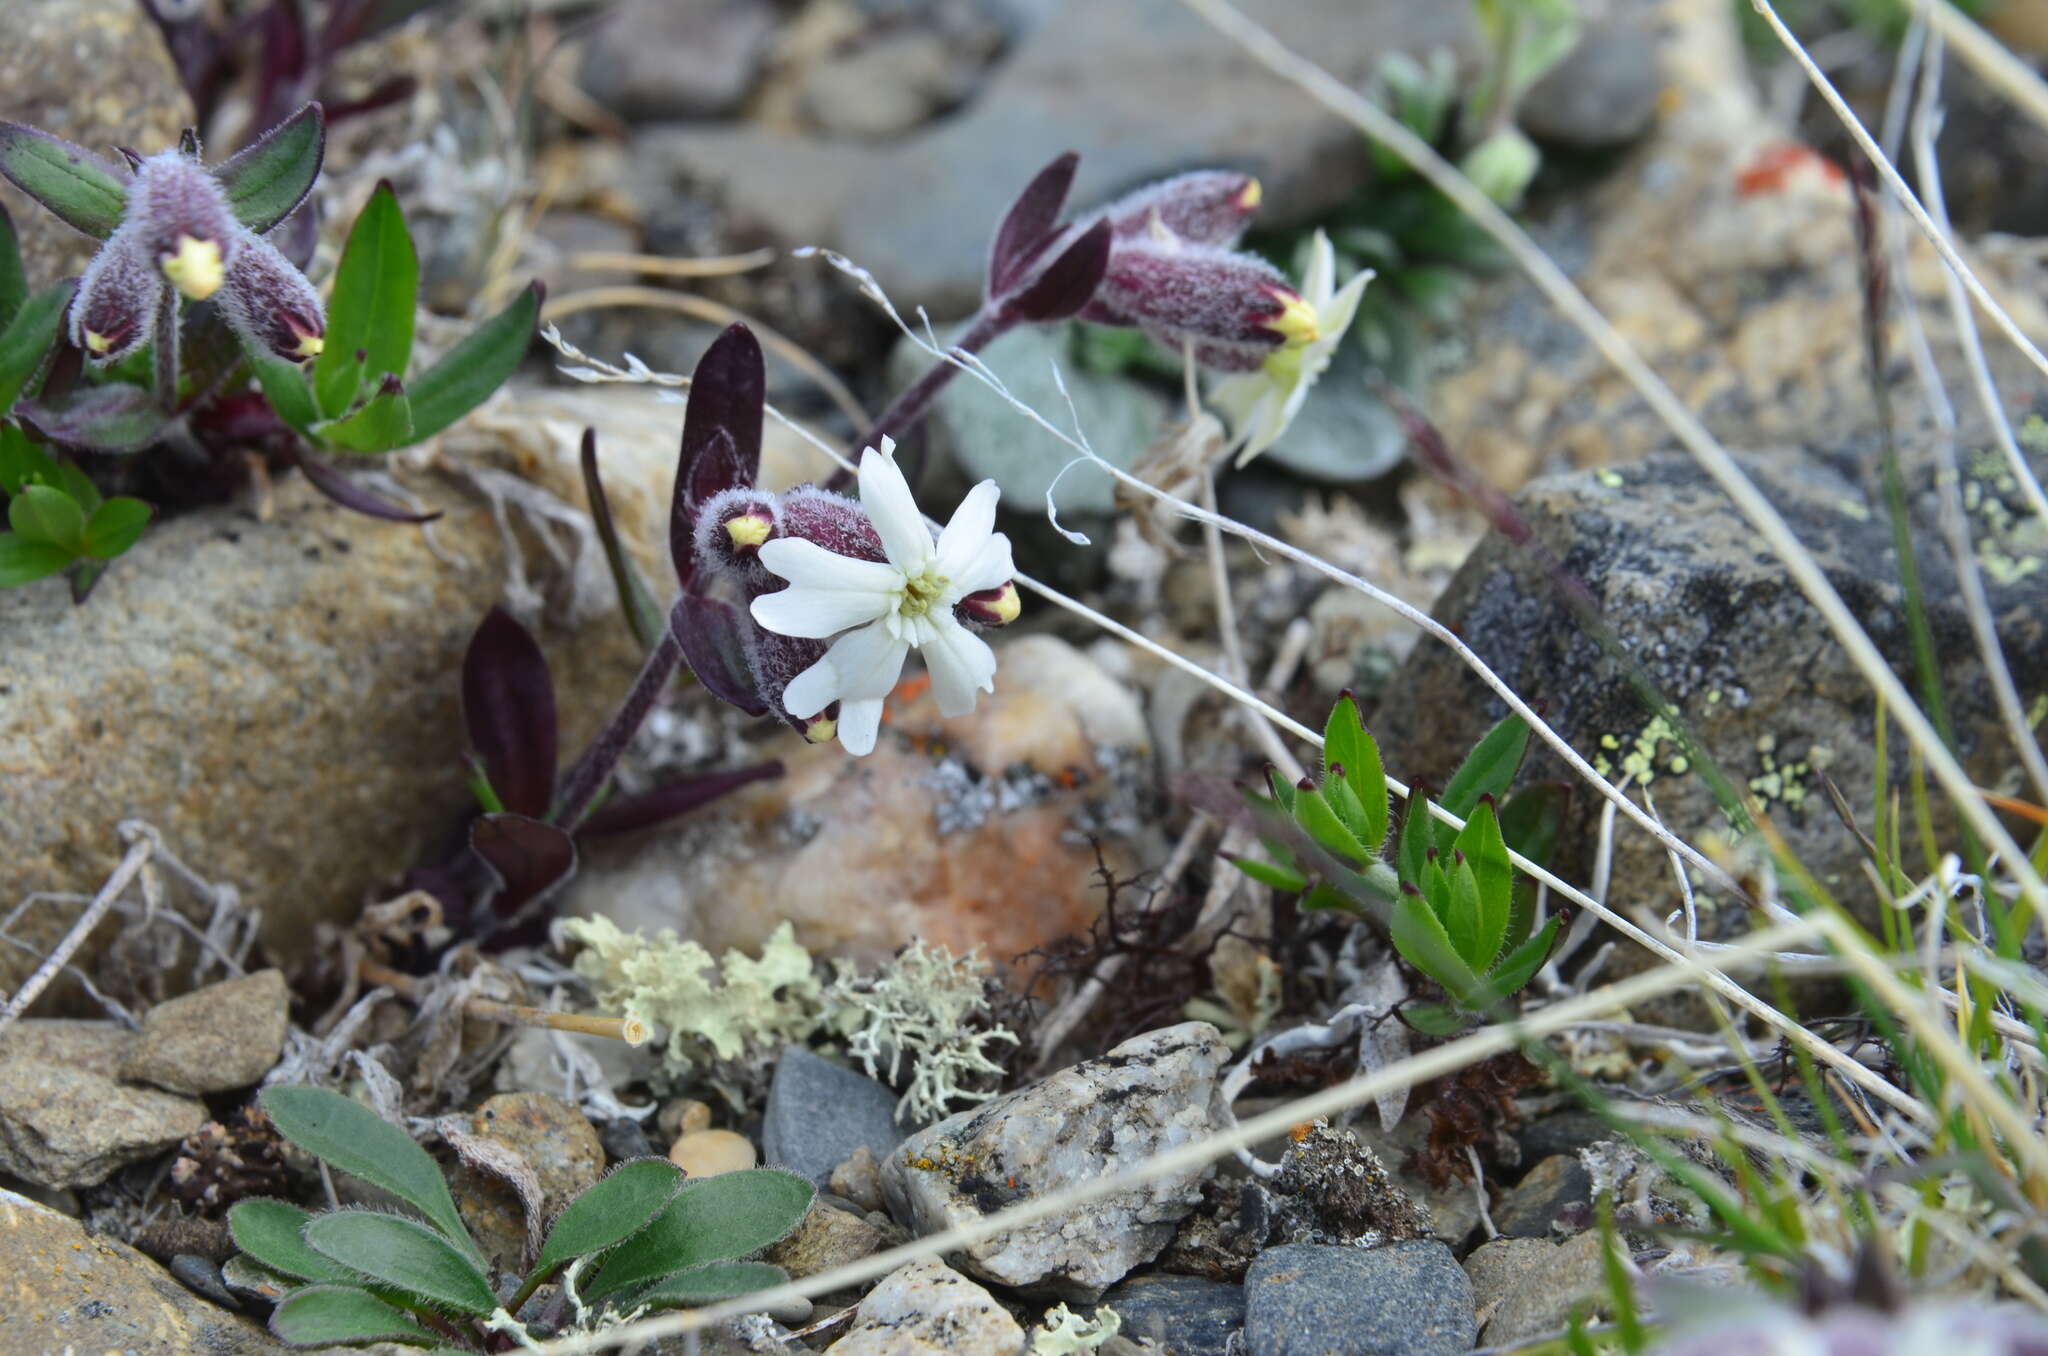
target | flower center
[{"x": 921, "y": 592}]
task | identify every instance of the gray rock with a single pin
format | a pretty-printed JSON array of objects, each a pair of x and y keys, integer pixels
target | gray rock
[
  {"x": 68, "y": 1290},
  {"x": 1557, "y": 1190},
  {"x": 654, "y": 59},
  {"x": 926, "y": 1309},
  {"x": 1404, "y": 1299},
  {"x": 1722, "y": 630},
  {"x": 95, "y": 72},
  {"x": 1526, "y": 1287},
  {"x": 1149, "y": 1095},
  {"x": 890, "y": 84},
  {"x": 1605, "y": 92},
  {"x": 65, "y": 1120},
  {"x": 1566, "y": 1132},
  {"x": 550, "y": 1146},
  {"x": 1186, "y": 1315},
  {"x": 987, "y": 438},
  {"x": 226, "y": 1035},
  {"x": 826, "y": 1238},
  {"x": 1164, "y": 92},
  {"x": 819, "y": 1113}
]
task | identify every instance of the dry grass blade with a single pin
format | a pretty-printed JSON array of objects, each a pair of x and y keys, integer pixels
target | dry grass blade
[{"x": 664, "y": 266}]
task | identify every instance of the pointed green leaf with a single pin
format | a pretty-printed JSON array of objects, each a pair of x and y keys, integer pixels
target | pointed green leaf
[
  {"x": 350, "y": 1136},
  {"x": 23, "y": 561},
  {"x": 71, "y": 478},
  {"x": 1420, "y": 937},
  {"x": 1418, "y": 836},
  {"x": 1486, "y": 771},
  {"x": 82, "y": 189},
  {"x": 271, "y": 1232},
  {"x": 376, "y": 288},
  {"x": 13, "y": 283},
  {"x": 1269, "y": 873},
  {"x": 712, "y": 1219},
  {"x": 1532, "y": 819},
  {"x": 322, "y": 1315},
  {"x": 712, "y": 1282},
  {"x": 1312, "y": 811},
  {"x": 115, "y": 526},
  {"x": 1516, "y": 969},
  {"x": 1436, "y": 1019},
  {"x": 1349, "y": 809},
  {"x": 27, "y": 340},
  {"x": 403, "y": 1254},
  {"x": 1325, "y": 897},
  {"x": 614, "y": 1209},
  {"x": 1283, "y": 791},
  {"x": 384, "y": 422},
  {"x": 1347, "y": 744},
  {"x": 267, "y": 179},
  {"x": 1460, "y": 912},
  {"x": 1487, "y": 854},
  {"x": 286, "y": 385},
  {"x": 45, "y": 513},
  {"x": 479, "y": 365}
]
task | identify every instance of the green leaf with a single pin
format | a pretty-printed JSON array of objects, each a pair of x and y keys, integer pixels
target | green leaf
[
  {"x": 404, "y": 1254},
  {"x": 611, "y": 1211},
  {"x": 271, "y": 176},
  {"x": 1418, "y": 836},
  {"x": 322, "y": 1315},
  {"x": 1420, "y": 937},
  {"x": 1312, "y": 811},
  {"x": 1270, "y": 873},
  {"x": 45, "y": 513},
  {"x": 72, "y": 479},
  {"x": 376, "y": 289},
  {"x": 474, "y": 368},
  {"x": 27, "y": 340},
  {"x": 1460, "y": 913},
  {"x": 115, "y": 526},
  {"x": 1327, "y": 897},
  {"x": 1486, "y": 853},
  {"x": 350, "y": 1136},
  {"x": 21, "y": 461},
  {"x": 13, "y": 283},
  {"x": 712, "y": 1219},
  {"x": 1347, "y": 744},
  {"x": 23, "y": 561},
  {"x": 1283, "y": 790},
  {"x": 271, "y": 1232},
  {"x": 1486, "y": 771},
  {"x": 1516, "y": 969},
  {"x": 1532, "y": 819},
  {"x": 1436, "y": 1019},
  {"x": 82, "y": 189},
  {"x": 712, "y": 1282},
  {"x": 1349, "y": 809},
  {"x": 284, "y": 385},
  {"x": 383, "y": 423}
]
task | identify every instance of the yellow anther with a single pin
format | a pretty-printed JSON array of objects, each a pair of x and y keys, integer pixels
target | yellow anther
[
  {"x": 196, "y": 269},
  {"x": 1296, "y": 323}
]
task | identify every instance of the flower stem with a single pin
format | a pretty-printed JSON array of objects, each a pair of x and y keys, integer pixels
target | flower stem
[
  {"x": 594, "y": 768},
  {"x": 165, "y": 350},
  {"x": 907, "y": 409}
]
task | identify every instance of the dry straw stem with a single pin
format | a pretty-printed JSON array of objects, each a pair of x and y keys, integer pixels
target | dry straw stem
[
  {"x": 142, "y": 844},
  {"x": 1712, "y": 457},
  {"x": 1434, "y": 1063},
  {"x": 1993, "y": 64},
  {"x": 625, "y": 1029}
]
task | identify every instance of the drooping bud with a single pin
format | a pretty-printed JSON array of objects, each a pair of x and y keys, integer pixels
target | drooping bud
[
  {"x": 730, "y": 528},
  {"x": 184, "y": 222},
  {"x": 1206, "y": 207},
  {"x": 833, "y": 521},
  {"x": 115, "y": 310},
  {"x": 1235, "y": 308},
  {"x": 990, "y": 607},
  {"x": 271, "y": 302},
  {"x": 776, "y": 660}
]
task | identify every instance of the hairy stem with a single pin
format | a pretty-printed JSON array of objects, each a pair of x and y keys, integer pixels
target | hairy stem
[
  {"x": 907, "y": 409},
  {"x": 594, "y": 768},
  {"x": 165, "y": 350}
]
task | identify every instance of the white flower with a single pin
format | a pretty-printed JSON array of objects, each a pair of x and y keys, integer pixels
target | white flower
[
  {"x": 1261, "y": 404},
  {"x": 896, "y": 605}
]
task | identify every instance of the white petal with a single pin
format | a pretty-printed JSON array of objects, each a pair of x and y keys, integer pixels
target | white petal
[
  {"x": 813, "y": 614},
  {"x": 811, "y": 691},
  {"x": 809, "y": 565},
  {"x": 959, "y": 662},
  {"x": 1321, "y": 278},
  {"x": 990, "y": 568},
  {"x": 868, "y": 662},
  {"x": 859, "y": 723},
  {"x": 885, "y": 494},
  {"x": 970, "y": 527},
  {"x": 1335, "y": 318}
]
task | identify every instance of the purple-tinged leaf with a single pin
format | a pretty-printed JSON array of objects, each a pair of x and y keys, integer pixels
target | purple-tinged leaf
[
  {"x": 1028, "y": 226},
  {"x": 267, "y": 180},
  {"x": 625, "y": 814},
  {"x": 531, "y": 860},
  {"x": 83, "y": 190},
  {"x": 1068, "y": 282},
  {"x": 336, "y": 485},
  {"x": 112, "y": 419},
  {"x": 508, "y": 703},
  {"x": 721, "y": 433},
  {"x": 395, "y": 90},
  {"x": 713, "y": 640}
]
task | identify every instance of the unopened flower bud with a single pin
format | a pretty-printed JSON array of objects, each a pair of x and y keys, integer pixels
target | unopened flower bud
[
  {"x": 1207, "y": 207},
  {"x": 990, "y": 607},
  {"x": 777, "y": 659},
  {"x": 822, "y": 728},
  {"x": 271, "y": 302},
  {"x": 1502, "y": 165},
  {"x": 184, "y": 222},
  {"x": 833, "y": 521},
  {"x": 729, "y": 531},
  {"x": 1235, "y": 307},
  {"x": 115, "y": 310}
]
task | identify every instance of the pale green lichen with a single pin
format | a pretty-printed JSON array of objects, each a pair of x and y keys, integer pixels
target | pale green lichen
[
  {"x": 713, "y": 1010},
  {"x": 1785, "y": 782},
  {"x": 1640, "y": 752},
  {"x": 930, "y": 1008},
  {"x": 1062, "y": 1332}
]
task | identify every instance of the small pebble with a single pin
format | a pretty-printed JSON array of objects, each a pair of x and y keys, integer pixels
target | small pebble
[
  {"x": 706, "y": 1153},
  {"x": 682, "y": 1116},
  {"x": 625, "y": 1138},
  {"x": 859, "y": 1179}
]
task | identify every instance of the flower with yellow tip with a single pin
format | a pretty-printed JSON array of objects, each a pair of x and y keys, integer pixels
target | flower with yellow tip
[
  {"x": 1261, "y": 404},
  {"x": 195, "y": 267}
]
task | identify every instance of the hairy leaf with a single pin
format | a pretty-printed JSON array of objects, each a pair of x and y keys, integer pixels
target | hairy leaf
[
  {"x": 618, "y": 1206},
  {"x": 382, "y": 423},
  {"x": 82, "y": 189},
  {"x": 1418, "y": 836},
  {"x": 1420, "y": 938},
  {"x": 376, "y": 287},
  {"x": 13, "y": 283},
  {"x": 721, "y": 446},
  {"x": 322, "y": 1315},
  {"x": 467, "y": 374},
  {"x": 1486, "y": 771},
  {"x": 508, "y": 703},
  {"x": 336, "y": 485},
  {"x": 1349, "y": 809},
  {"x": 1068, "y": 282},
  {"x": 712, "y": 1219},
  {"x": 28, "y": 338},
  {"x": 1313, "y": 813},
  {"x": 350, "y": 1136},
  {"x": 1346, "y": 743},
  {"x": 273, "y": 1233},
  {"x": 266, "y": 180},
  {"x": 1459, "y": 910},
  {"x": 627, "y": 814},
  {"x": 1270, "y": 873},
  {"x": 711, "y": 1282},
  {"x": 405, "y": 1255},
  {"x": 284, "y": 385},
  {"x": 1027, "y": 226},
  {"x": 530, "y": 859},
  {"x": 1486, "y": 853},
  {"x": 1516, "y": 969},
  {"x": 113, "y": 419},
  {"x": 1435, "y": 1019},
  {"x": 711, "y": 638}
]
